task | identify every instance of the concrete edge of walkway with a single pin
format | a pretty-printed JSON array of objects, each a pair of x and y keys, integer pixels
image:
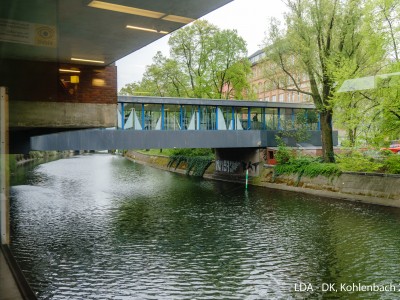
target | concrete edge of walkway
[{"x": 19, "y": 278}]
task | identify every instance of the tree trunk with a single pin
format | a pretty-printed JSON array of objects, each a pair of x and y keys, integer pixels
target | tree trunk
[
  {"x": 352, "y": 137},
  {"x": 326, "y": 136}
]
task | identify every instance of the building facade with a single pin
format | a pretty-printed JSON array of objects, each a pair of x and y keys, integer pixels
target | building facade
[{"x": 264, "y": 90}]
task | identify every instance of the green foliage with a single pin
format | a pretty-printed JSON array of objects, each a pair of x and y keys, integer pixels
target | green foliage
[
  {"x": 355, "y": 161},
  {"x": 205, "y": 62},
  {"x": 392, "y": 164},
  {"x": 195, "y": 164},
  {"x": 315, "y": 169},
  {"x": 193, "y": 152},
  {"x": 328, "y": 41},
  {"x": 383, "y": 161},
  {"x": 303, "y": 119},
  {"x": 307, "y": 166},
  {"x": 198, "y": 165},
  {"x": 284, "y": 154},
  {"x": 177, "y": 159},
  {"x": 197, "y": 160}
]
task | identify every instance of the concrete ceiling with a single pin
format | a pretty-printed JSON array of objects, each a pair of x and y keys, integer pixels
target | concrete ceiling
[{"x": 58, "y": 30}]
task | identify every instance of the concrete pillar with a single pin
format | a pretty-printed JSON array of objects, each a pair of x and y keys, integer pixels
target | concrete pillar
[
  {"x": 233, "y": 162},
  {"x": 4, "y": 169}
]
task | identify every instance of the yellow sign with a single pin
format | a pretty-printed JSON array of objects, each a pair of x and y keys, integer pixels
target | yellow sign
[{"x": 45, "y": 36}]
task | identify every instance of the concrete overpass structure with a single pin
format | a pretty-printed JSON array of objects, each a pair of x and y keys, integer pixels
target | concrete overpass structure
[{"x": 57, "y": 57}]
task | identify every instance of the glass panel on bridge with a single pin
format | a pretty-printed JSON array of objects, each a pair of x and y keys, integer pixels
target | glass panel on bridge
[
  {"x": 208, "y": 119},
  {"x": 133, "y": 116},
  {"x": 224, "y": 117},
  {"x": 271, "y": 118},
  {"x": 237, "y": 122},
  {"x": 243, "y": 115},
  {"x": 172, "y": 117},
  {"x": 286, "y": 119},
  {"x": 190, "y": 117},
  {"x": 152, "y": 117},
  {"x": 257, "y": 118}
]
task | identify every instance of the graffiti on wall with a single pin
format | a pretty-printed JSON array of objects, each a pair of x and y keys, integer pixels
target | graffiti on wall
[
  {"x": 235, "y": 167},
  {"x": 250, "y": 166},
  {"x": 227, "y": 166}
]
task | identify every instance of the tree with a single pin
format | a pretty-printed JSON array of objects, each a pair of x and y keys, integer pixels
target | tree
[
  {"x": 319, "y": 38},
  {"x": 130, "y": 89},
  {"x": 386, "y": 15},
  {"x": 205, "y": 62},
  {"x": 162, "y": 78},
  {"x": 371, "y": 114},
  {"x": 388, "y": 95}
]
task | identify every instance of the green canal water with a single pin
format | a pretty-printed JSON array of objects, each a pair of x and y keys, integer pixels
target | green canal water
[{"x": 103, "y": 227}]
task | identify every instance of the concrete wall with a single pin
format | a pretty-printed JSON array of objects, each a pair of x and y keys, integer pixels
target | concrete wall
[
  {"x": 25, "y": 114},
  {"x": 51, "y": 95},
  {"x": 232, "y": 163},
  {"x": 383, "y": 189}
]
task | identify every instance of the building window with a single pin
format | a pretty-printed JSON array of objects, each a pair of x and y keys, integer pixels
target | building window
[
  {"x": 274, "y": 98},
  {"x": 281, "y": 97}
]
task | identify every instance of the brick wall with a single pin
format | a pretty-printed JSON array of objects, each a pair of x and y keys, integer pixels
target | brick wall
[{"x": 43, "y": 81}]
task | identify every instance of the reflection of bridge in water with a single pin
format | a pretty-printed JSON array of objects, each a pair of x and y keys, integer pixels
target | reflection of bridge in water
[{"x": 155, "y": 122}]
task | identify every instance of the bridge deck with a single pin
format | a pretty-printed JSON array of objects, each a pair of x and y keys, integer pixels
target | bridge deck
[
  {"x": 102, "y": 139},
  {"x": 155, "y": 122}
]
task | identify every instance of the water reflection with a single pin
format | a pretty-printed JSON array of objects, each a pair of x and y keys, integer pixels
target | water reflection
[{"x": 100, "y": 226}]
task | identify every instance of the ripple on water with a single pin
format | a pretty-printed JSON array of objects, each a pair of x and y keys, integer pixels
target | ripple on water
[{"x": 101, "y": 227}]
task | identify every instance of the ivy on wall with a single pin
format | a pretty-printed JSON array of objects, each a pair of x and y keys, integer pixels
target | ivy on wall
[{"x": 196, "y": 165}]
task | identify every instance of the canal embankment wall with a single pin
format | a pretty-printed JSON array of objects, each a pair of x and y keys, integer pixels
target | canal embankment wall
[
  {"x": 374, "y": 188},
  {"x": 161, "y": 162}
]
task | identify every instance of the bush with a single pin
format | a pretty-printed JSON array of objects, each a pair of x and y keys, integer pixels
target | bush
[
  {"x": 307, "y": 166},
  {"x": 283, "y": 155},
  {"x": 355, "y": 161},
  {"x": 392, "y": 164}
]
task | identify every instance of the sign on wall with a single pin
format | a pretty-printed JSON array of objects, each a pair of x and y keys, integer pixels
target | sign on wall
[{"x": 19, "y": 32}]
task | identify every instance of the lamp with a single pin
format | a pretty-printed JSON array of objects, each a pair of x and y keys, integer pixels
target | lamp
[{"x": 74, "y": 79}]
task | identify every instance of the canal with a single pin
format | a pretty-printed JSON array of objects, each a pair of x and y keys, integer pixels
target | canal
[{"x": 102, "y": 227}]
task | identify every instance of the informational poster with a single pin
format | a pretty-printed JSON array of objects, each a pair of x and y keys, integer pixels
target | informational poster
[{"x": 28, "y": 33}]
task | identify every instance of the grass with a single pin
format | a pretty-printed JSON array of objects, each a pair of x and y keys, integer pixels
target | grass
[{"x": 166, "y": 152}]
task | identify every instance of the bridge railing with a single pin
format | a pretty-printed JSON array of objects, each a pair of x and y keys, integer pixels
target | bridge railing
[{"x": 173, "y": 114}]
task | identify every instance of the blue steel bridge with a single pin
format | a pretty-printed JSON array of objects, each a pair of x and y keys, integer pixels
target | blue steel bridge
[{"x": 158, "y": 122}]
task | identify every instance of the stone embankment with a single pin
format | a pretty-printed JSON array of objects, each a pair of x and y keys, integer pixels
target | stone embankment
[
  {"x": 382, "y": 189},
  {"x": 161, "y": 162}
]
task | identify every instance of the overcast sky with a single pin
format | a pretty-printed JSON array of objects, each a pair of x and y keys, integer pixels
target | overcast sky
[{"x": 248, "y": 17}]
